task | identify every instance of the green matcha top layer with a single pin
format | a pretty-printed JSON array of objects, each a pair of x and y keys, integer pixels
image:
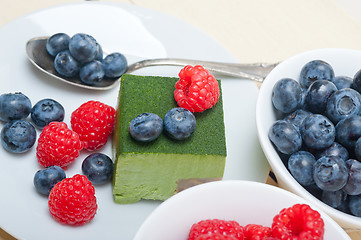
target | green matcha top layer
[{"x": 140, "y": 94}]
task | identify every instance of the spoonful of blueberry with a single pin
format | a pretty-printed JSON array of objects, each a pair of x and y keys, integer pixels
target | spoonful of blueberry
[{"x": 79, "y": 60}]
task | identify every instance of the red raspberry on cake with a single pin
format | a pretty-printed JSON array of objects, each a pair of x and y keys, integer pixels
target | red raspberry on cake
[
  {"x": 196, "y": 89},
  {"x": 256, "y": 232},
  {"x": 94, "y": 122},
  {"x": 298, "y": 222},
  {"x": 72, "y": 201},
  {"x": 212, "y": 226},
  {"x": 58, "y": 145}
]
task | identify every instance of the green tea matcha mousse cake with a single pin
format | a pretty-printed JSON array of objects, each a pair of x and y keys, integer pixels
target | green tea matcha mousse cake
[{"x": 158, "y": 169}]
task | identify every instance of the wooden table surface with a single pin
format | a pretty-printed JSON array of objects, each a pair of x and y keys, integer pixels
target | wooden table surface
[{"x": 253, "y": 31}]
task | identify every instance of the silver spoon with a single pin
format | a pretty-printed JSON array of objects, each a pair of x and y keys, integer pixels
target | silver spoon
[{"x": 37, "y": 54}]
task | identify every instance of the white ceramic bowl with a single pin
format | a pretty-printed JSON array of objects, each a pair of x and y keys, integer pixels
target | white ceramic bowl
[
  {"x": 344, "y": 62},
  {"x": 242, "y": 201}
]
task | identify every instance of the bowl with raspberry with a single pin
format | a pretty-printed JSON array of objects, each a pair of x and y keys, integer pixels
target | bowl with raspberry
[
  {"x": 308, "y": 113},
  {"x": 238, "y": 210}
]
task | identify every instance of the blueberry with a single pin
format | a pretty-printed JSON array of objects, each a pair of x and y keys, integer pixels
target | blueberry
[
  {"x": 286, "y": 95},
  {"x": 46, "y": 111},
  {"x": 344, "y": 206},
  {"x": 66, "y": 65},
  {"x": 348, "y": 131},
  {"x": 314, "y": 190},
  {"x": 342, "y": 104},
  {"x": 317, "y": 131},
  {"x": 342, "y": 82},
  {"x": 356, "y": 84},
  {"x": 355, "y": 205},
  {"x": 318, "y": 94},
  {"x": 14, "y": 106},
  {"x": 92, "y": 73},
  {"x": 334, "y": 198},
  {"x": 300, "y": 165},
  {"x": 99, "y": 55},
  {"x": 285, "y": 137},
  {"x": 335, "y": 149},
  {"x": 330, "y": 173},
  {"x": 18, "y": 136},
  {"x": 98, "y": 168},
  {"x": 353, "y": 185},
  {"x": 99, "y": 51},
  {"x": 83, "y": 47},
  {"x": 357, "y": 149},
  {"x": 315, "y": 70},
  {"x": 297, "y": 117},
  {"x": 115, "y": 65},
  {"x": 45, "y": 179},
  {"x": 179, "y": 123},
  {"x": 146, "y": 127},
  {"x": 57, "y": 43},
  {"x": 303, "y": 99}
]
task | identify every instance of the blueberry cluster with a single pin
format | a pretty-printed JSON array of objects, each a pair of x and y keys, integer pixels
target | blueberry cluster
[
  {"x": 318, "y": 133},
  {"x": 98, "y": 168},
  {"x": 179, "y": 124},
  {"x": 17, "y": 106},
  {"x": 17, "y": 135},
  {"x": 82, "y": 56}
]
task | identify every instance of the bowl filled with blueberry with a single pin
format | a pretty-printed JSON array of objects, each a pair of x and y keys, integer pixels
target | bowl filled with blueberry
[{"x": 309, "y": 125}]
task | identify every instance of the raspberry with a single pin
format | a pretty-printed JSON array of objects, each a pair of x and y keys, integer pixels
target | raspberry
[
  {"x": 298, "y": 222},
  {"x": 256, "y": 232},
  {"x": 197, "y": 89},
  {"x": 215, "y": 236},
  {"x": 72, "y": 201},
  {"x": 58, "y": 145},
  {"x": 211, "y": 226},
  {"x": 94, "y": 122}
]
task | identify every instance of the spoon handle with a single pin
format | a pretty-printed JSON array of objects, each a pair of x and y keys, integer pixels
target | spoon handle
[{"x": 253, "y": 71}]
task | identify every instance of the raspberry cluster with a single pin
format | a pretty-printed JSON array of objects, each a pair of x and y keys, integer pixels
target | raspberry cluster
[
  {"x": 72, "y": 200},
  {"x": 91, "y": 124},
  {"x": 297, "y": 222}
]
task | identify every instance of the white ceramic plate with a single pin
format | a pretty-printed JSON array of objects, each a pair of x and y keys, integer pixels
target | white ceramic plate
[
  {"x": 243, "y": 201},
  {"x": 138, "y": 33},
  {"x": 345, "y": 62}
]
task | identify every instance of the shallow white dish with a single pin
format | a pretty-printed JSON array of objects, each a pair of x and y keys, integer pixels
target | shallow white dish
[
  {"x": 344, "y": 62},
  {"x": 243, "y": 201},
  {"x": 138, "y": 33}
]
